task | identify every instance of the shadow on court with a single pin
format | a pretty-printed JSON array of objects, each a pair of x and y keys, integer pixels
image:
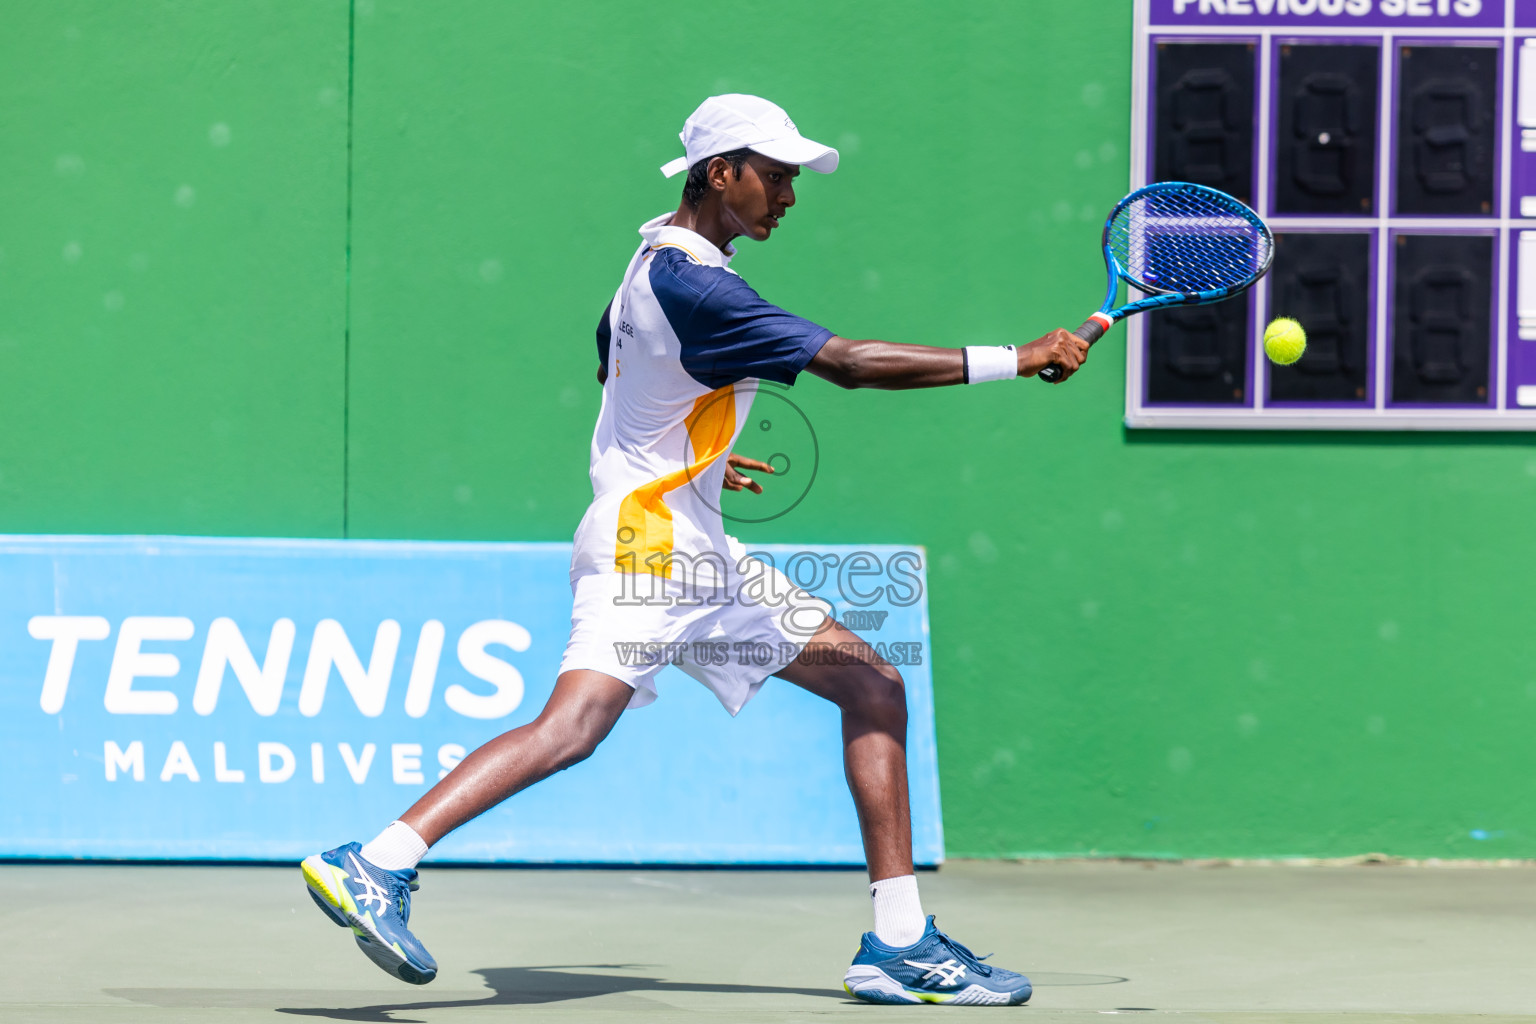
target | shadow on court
[{"x": 510, "y": 986}]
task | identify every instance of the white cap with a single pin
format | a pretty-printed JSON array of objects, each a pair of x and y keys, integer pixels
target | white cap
[{"x": 738, "y": 121}]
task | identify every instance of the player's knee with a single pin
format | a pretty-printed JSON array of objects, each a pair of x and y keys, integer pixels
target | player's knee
[
  {"x": 569, "y": 738},
  {"x": 881, "y": 696},
  {"x": 574, "y": 753},
  {"x": 575, "y": 747}
]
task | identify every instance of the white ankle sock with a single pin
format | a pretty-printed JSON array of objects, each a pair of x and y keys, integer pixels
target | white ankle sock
[
  {"x": 397, "y": 848},
  {"x": 899, "y": 920}
]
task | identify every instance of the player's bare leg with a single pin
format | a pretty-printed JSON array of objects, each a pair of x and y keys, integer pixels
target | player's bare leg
[
  {"x": 367, "y": 887},
  {"x": 873, "y": 700},
  {"x": 906, "y": 959},
  {"x": 580, "y": 713}
]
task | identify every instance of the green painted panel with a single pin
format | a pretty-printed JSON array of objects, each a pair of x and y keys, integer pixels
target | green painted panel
[
  {"x": 172, "y": 267},
  {"x": 1144, "y": 644}
]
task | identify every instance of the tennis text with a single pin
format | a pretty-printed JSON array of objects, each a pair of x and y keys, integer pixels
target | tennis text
[{"x": 225, "y": 651}]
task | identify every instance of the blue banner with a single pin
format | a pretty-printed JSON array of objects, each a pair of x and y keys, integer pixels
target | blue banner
[{"x": 191, "y": 698}]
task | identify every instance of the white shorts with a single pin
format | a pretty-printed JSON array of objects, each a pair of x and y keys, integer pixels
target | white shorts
[{"x": 730, "y": 638}]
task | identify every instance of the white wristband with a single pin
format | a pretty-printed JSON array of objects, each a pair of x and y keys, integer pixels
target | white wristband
[{"x": 990, "y": 362}]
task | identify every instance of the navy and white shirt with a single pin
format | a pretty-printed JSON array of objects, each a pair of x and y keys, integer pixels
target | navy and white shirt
[{"x": 684, "y": 343}]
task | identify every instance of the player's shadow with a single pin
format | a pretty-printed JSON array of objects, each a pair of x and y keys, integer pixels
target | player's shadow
[
  {"x": 522, "y": 986},
  {"x": 510, "y": 986}
]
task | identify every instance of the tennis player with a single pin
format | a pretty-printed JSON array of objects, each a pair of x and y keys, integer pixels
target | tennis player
[{"x": 681, "y": 349}]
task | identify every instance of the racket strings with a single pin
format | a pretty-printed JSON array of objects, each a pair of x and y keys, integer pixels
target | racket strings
[{"x": 1186, "y": 240}]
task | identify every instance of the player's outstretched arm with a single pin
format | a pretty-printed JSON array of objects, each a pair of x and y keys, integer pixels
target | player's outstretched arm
[{"x": 892, "y": 366}]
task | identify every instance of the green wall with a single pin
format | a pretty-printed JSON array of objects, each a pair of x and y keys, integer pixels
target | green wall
[
  {"x": 173, "y": 188},
  {"x": 1170, "y": 644}
]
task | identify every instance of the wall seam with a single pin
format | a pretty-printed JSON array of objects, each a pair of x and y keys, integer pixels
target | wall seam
[{"x": 346, "y": 334}]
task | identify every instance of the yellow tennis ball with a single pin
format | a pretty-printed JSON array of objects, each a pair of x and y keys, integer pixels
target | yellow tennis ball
[{"x": 1284, "y": 341}]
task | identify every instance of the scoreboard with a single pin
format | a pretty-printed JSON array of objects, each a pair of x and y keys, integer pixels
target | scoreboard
[{"x": 1391, "y": 145}]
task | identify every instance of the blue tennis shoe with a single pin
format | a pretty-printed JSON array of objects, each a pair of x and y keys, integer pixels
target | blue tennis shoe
[
  {"x": 376, "y": 904},
  {"x": 935, "y": 969}
]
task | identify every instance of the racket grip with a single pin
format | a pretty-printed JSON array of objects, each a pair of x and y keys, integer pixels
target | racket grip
[{"x": 1091, "y": 331}]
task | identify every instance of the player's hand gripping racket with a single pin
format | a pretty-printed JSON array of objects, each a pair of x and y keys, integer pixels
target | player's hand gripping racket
[{"x": 1180, "y": 244}]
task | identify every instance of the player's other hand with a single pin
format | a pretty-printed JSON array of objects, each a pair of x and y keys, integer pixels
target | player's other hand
[
  {"x": 735, "y": 481},
  {"x": 1061, "y": 347}
]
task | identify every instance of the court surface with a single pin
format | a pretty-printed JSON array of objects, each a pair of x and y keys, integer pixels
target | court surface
[{"x": 1235, "y": 945}]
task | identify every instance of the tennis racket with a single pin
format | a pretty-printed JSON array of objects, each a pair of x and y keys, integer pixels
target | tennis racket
[{"x": 1180, "y": 244}]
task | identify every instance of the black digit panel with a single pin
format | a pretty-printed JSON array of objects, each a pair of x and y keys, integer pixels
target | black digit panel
[
  {"x": 1324, "y": 282},
  {"x": 1198, "y": 354},
  {"x": 1325, "y": 141},
  {"x": 1440, "y": 318},
  {"x": 1205, "y": 116},
  {"x": 1445, "y": 129}
]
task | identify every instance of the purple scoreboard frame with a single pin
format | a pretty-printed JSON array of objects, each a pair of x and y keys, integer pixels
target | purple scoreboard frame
[{"x": 1507, "y": 25}]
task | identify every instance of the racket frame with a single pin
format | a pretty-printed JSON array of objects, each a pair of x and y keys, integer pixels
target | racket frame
[{"x": 1109, "y": 314}]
